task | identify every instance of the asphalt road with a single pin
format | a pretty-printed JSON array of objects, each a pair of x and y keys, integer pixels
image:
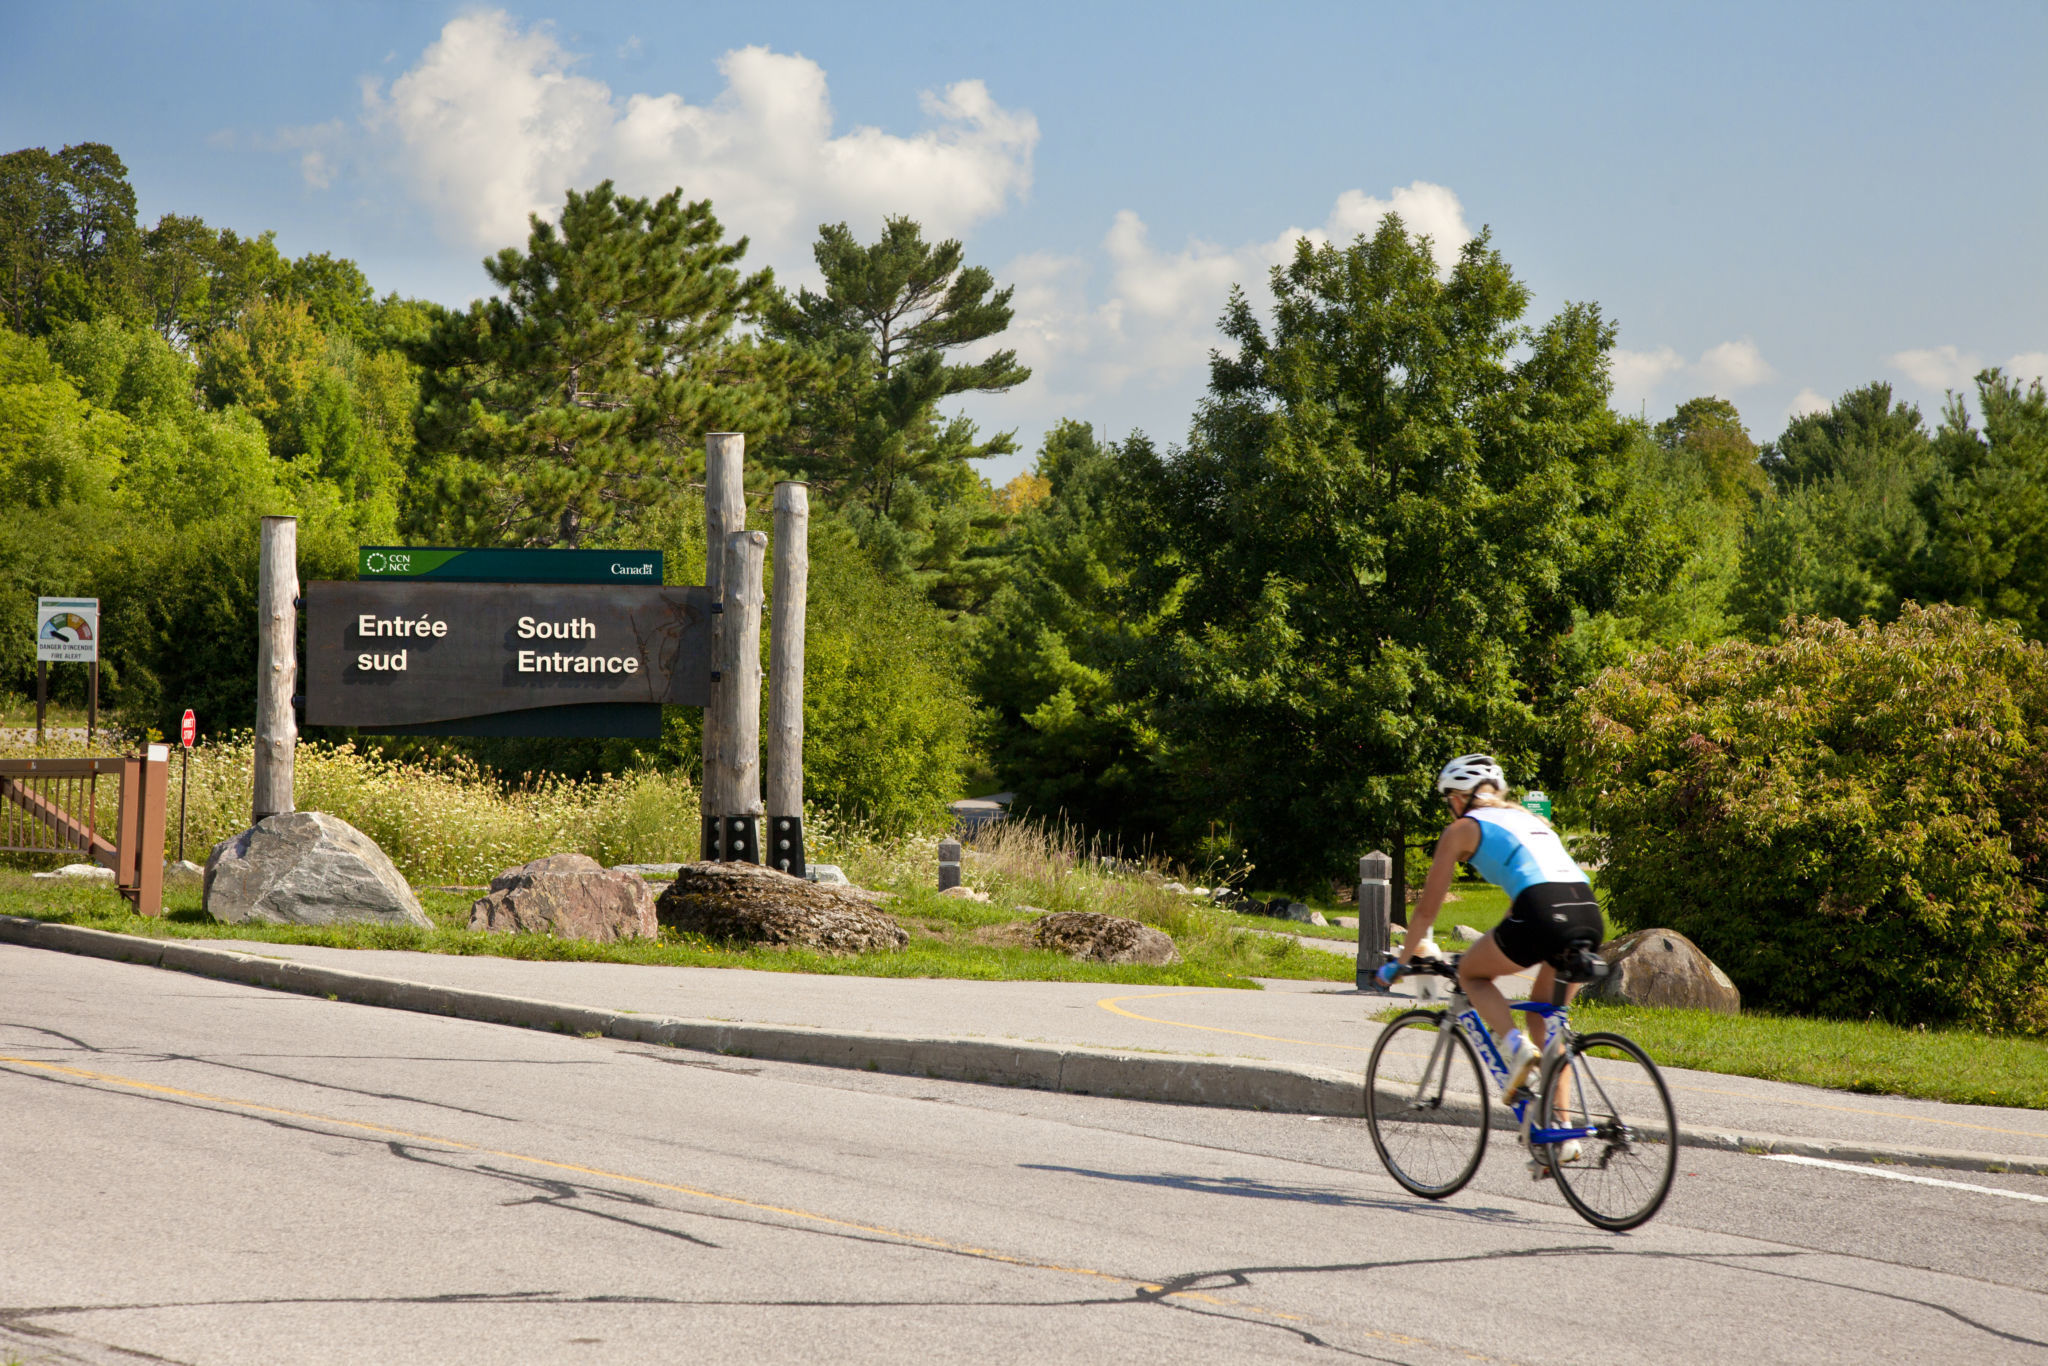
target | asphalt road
[{"x": 195, "y": 1171}]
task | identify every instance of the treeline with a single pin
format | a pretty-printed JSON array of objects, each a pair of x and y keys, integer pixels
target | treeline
[{"x": 1404, "y": 521}]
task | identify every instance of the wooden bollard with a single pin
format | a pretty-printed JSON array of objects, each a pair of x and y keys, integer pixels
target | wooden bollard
[
  {"x": 949, "y": 864},
  {"x": 786, "y": 679},
  {"x": 725, "y": 511},
  {"x": 277, "y": 666},
  {"x": 1374, "y": 917},
  {"x": 737, "y": 757}
]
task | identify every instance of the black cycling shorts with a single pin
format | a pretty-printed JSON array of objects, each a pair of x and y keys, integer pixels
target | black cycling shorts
[{"x": 1549, "y": 919}]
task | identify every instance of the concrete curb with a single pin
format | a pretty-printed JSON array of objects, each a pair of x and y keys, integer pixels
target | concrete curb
[{"x": 1287, "y": 1088}]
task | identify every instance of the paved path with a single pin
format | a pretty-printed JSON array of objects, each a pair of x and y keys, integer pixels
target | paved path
[
  {"x": 202, "y": 1172},
  {"x": 1316, "y": 1023}
]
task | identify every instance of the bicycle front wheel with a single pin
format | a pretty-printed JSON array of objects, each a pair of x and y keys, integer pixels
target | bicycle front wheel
[
  {"x": 1617, "y": 1167},
  {"x": 1425, "y": 1104}
]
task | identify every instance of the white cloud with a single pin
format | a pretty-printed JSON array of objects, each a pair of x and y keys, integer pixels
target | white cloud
[
  {"x": 494, "y": 122},
  {"x": 1807, "y": 401},
  {"x": 1940, "y": 367},
  {"x": 1733, "y": 365},
  {"x": 2029, "y": 365},
  {"x": 1648, "y": 377},
  {"x": 1134, "y": 318}
]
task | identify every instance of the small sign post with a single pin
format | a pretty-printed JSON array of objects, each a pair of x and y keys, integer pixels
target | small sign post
[
  {"x": 188, "y": 731},
  {"x": 1537, "y": 802},
  {"x": 67, "y": 632}
]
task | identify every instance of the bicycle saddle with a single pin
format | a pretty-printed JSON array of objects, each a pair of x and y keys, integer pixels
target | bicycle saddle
[{"x": 1580, "y": 963}]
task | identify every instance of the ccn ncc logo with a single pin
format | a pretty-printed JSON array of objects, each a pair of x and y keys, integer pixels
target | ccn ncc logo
[{"x": 379, "y": 563}]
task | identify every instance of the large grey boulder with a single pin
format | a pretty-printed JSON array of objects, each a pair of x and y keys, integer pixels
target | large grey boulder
[
  {"x": 748, "y": 904},
  {"x": 570, "y": 896},
  {"x": 307, "y": 868},
  {"x": 1664, "y": 968},
  {"x": 1104, "y": 938}
]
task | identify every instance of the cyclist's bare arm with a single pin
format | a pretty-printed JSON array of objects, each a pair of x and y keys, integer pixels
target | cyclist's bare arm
[{"x": 1459, "y": 842}]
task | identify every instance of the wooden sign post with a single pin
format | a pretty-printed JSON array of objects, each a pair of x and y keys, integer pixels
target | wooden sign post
[
  {"x": 786, "y": 679},
  {"x": 277, "y": 666},
  {"x": 725, "y": 511}
]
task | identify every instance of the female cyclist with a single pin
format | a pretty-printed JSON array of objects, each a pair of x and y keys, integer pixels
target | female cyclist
[{"x": 1551, "y": 908}]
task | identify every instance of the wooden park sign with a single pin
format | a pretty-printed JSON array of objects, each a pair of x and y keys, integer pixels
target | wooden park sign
[
  {"x": 505, "y": 642},
  {"x": 439, "y": 641}
]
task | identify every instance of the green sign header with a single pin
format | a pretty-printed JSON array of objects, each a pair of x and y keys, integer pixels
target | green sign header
[{"x": 451, "y": 565}]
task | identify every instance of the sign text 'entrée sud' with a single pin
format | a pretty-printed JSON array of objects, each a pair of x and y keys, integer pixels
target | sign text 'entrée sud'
[{"x": 419, "y": 652}]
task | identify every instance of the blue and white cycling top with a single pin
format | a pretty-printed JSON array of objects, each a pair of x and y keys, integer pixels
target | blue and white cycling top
[{"x": 1518, "y": 849}]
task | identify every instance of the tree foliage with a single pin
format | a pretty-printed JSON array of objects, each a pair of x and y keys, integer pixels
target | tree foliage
[
  {"x": 1849, "y": 822},
  {"x": 573, "y": 401},
  {"x": 867, "y": 430},
  {"x": 1377, "y": 545}
]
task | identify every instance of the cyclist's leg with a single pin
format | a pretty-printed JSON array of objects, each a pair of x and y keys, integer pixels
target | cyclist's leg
[
  {"x": 1539, "y": 1028},
  {"x": 1483, "y": 962}
]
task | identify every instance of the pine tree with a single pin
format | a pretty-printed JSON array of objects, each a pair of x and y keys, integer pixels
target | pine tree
[
  {"x": 867, "y": 430},
  {"x": 576, "y": 400}
]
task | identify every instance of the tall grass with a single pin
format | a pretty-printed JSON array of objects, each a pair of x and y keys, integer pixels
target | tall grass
[{"x": 448, "y": 823}]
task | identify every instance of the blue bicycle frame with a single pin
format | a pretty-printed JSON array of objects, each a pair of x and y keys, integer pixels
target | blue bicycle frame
[{"x": 1559, "y": 1025}]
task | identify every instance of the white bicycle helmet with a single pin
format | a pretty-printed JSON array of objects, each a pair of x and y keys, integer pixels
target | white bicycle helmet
[{"x": 1468, "y": 771}]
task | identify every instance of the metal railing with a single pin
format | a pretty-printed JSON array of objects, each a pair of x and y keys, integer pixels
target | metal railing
[{"x": 57, "y": 806}]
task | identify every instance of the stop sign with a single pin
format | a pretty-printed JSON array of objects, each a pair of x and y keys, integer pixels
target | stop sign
[{"x": 188, "y": 729}]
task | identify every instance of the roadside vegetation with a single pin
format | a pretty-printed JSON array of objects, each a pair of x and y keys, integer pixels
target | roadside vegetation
[
  {"x": 1867, "y": 1056},
  {"x": 1025, "y": 873},
  {"x": 1870, "y": 1056}
]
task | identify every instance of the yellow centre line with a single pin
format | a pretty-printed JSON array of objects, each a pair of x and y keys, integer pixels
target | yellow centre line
[
  {"x": 787, "y": 1211},
  {"x": 1110, "y": 1004}
]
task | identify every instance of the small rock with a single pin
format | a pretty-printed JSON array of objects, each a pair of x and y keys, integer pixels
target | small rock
[
  {"x": 1664, "y": 968},
  {"x": 828, "y": 875},
  {"x": 571, "y": 897},
  {"x": 1104, "y": 938},
  {"x": 750, "y": 904},
  {"x": 1031, "y": 910},
  {"x": 184, "y": 875},
  {"x": 964, "y": 894},
  {"x": 1172, "y": 887},
  {"x": 648, "y": 869},
  {"x": 1297, "y": 911},
  {"x": 84, "y": 872},
  {"x": 1347, "y": 922},
  {"x": 307, "y": 868},
  {"x": 1198, "y": 891},
  {"x": 1467, "y": 933}
]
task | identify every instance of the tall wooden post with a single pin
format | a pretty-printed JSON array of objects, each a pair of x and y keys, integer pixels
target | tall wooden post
[
  {"x": 786, "y": 679},
  {"x": 736, "y": 757},
  {"x": 277, "y": 665},
  {"x": 1374, "y": 917},
  {"x": 725, "y": 511}
]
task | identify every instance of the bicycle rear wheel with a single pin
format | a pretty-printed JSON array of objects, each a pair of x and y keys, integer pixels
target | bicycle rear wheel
[
  {"x": 1425, "y": 1104},
  {"x": 1622, "y": 1168}
]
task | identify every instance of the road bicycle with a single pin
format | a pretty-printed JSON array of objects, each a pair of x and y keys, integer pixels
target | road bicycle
[{"x": 1598, "y": 1120}]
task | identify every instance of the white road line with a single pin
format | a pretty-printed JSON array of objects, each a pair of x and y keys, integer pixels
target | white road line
[{"x": 1903, "y": 1176}]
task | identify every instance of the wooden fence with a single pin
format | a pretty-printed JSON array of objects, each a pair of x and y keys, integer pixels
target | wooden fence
[{"x": 62, "y": 806}]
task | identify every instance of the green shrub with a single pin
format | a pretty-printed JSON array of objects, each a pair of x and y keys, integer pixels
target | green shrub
[
  {"x": 1851, "y": 823},
  {"x": 888, "y": 719}
]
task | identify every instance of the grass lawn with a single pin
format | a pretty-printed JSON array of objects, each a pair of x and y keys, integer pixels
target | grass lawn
[
  {"x": 1875, "y": 1059},
  {"x": 1848, "y": 1055},
  {"x": 948, "y": 938}
]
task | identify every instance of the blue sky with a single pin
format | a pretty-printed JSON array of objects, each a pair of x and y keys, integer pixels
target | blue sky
[{"x": 1775, "y": 202}]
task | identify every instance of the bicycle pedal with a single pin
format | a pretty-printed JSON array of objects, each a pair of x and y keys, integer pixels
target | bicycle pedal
[{"x": 1539, "y": 1170}]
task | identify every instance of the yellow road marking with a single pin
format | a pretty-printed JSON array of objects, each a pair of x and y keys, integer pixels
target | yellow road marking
[
  {"x": 923, "y": 1240},
  {"x": 1110, "y": 1004}
]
